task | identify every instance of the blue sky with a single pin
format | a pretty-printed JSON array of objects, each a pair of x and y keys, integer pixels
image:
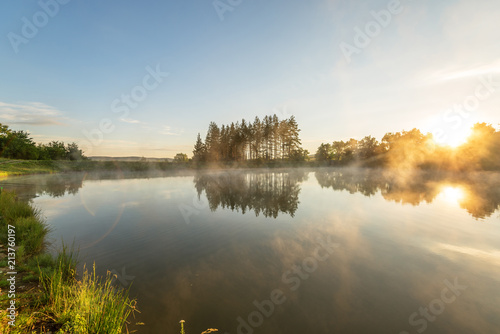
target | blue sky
[{"x": 427, "y": 62}]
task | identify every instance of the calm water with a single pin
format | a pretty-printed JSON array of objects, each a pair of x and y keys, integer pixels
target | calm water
[{"x": 289, "y": 251}]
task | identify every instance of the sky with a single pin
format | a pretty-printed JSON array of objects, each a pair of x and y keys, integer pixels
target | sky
[{"x": 143, "y": 78}]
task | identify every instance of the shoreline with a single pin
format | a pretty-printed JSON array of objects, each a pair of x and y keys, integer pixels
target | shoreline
[{"x": 10, "y": 167}]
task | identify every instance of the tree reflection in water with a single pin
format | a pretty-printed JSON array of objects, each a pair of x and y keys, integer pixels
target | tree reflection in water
[
  {"x": 54, "y": 185},
  {"x": 268, "y": 193},
  {"x": 479, "y": 192},
  {"x": 272, "y": 192}
]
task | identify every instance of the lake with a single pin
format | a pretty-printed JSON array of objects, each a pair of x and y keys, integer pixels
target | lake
[{"x": 288, "y": 251}]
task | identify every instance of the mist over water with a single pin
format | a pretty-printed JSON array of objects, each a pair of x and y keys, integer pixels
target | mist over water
[{"x": 208, "y": 247}]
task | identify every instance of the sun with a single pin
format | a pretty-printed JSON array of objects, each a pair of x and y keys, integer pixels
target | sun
[
  {"x": 452, "y": 138},
  {"x": 451, "y": 133},
  {"x": 455, "y": 138}
]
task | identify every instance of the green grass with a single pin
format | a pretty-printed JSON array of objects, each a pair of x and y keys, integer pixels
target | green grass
[
  {"x": 92, "y": 305},
  {"x": 56, "y": 301},
  {"x": 30, "y": 231},
  {"x": 10, "y": 167}
]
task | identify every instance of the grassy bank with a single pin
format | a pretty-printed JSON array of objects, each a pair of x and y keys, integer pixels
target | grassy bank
[
  {"x": 46, "y": 294},
  {"x": 22, "y": 167},
  {"x": 10, "y": 167}
]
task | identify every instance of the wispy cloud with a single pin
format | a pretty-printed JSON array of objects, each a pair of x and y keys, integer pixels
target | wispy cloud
[
  {"x": 30, "y": 113},
  {"x": 167, "y": 130},
  {"x": 131, "y": 121},
  {"x": 466, "y": 72}
]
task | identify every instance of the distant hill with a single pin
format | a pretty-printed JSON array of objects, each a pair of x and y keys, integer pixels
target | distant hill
[{"x": 105, "y": 158}]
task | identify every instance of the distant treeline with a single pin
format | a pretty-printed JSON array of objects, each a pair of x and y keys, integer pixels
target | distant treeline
[
  {"x": 273, "y": 142},
  {"x": 413, "y": 149},
  {"x": 269, "y": 139},
  {"x": 19, "y": 145}
]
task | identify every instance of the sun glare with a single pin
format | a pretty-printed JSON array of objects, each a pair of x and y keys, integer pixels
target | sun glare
[
  {"x": 452, "y": 194},
  {"x": 456, "y": 139},
  {"x": 449, "y": 134}
]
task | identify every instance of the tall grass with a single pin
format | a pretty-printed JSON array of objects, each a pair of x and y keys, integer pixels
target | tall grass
[
  {"x": 30, "y": 230},
  {"x": 92, "y": 305},
  {"x": 103, "y": 309},
  {"x": 12, "y": 209}
]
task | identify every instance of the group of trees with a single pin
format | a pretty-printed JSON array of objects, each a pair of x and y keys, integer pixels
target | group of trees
[
  {"x": 413, "y": 149},
  {"x": 19, "y": 145},
  {"x": 482, "y": 149},
  {"x": 400, "y": 145},
  {"x": 266, "y": 139},
  {"x": 181, "y": 158}
]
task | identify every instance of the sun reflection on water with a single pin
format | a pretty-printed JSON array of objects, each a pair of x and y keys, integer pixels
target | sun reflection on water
[{"x": 452, "y": 194}]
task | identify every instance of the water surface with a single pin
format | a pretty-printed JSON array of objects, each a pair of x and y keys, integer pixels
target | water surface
[{"x": 288, "y": 251}]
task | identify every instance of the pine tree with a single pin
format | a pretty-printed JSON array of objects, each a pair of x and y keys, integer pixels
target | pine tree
[
  {"x": 294, "y": 142},
  {"x": 212, "y": 142},
  {"x": 257, "y": 136},
  {"x": 199, "y": 152}
]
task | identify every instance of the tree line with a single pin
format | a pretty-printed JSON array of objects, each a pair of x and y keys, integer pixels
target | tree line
[
  {"x": 413, "y": 149},
  {"x": 19, "y": 145},
  {"x": 268, "y": 139}
]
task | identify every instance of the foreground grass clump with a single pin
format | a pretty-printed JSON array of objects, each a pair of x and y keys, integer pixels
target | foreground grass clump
[
  {"x": 92, "y": 305},
  {"x": 49, "y": 297}
]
